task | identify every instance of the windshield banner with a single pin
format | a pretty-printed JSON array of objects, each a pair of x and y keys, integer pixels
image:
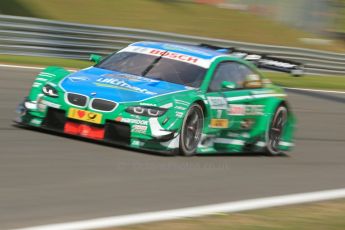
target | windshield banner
[{"x": 168, "y": 54}]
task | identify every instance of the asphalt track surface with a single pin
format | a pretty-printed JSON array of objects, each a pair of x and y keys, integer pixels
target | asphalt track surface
[{"x": 46, "y": 178}]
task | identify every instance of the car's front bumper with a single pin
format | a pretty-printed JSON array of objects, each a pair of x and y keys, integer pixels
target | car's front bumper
[{"x": 113, "y": 132}]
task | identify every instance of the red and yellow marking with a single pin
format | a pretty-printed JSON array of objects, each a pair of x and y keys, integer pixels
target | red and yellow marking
[
  {"x": 219, "y": 123},
  {"x": 84, "y": 115}
]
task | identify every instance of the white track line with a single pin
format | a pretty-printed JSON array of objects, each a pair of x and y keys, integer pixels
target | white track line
[
  {"x": 20, "y": 67},
  {"x": 27, "y": 67},
  {"x": 237, "y": 206},
  {"x": 316, "y": 90}
]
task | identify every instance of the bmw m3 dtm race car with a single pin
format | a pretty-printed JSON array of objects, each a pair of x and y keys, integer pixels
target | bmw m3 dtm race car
[{"x": 165, "y": 97}]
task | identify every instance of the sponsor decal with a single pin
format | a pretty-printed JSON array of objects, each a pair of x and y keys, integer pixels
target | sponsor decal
[
  {"x": 185, "y": 103},
  {"x": 131, "y": 121},
  {"x": 180, "y": 107},
  {"x": 120, "y": 84},
  {"x": 219, "y": 113},
  {"x": 205, "y": 63},
  {"x": 237, "y": 110},
  {"x": 219, "y": 123},
  {"x": 172, "y": 55},
  {"x": 52, "y": 84},
  {"x": 48, "y": 75},
  {"x": 139, "y": 129},
  {"x": 41, "y": 79},
  {"x": 254, "y": 110},
  {"x": 78, "y": 78},
  {"x": 185, "y": 49},
  {"x": 84, "y": 130},
  {"x": 217, "y": 102},
  {"x": 167, "y": 106},
  {"x": 84, "y": 115},
  {"x": 36, "y": 85},
  {"x": 240, "y": 110},
  {"x": 247, "y": 123},
  {"x": 129, "y": 77},
  {"x": 178, "y": 114}
]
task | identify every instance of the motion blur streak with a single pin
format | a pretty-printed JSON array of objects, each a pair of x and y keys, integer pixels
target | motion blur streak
[{"x": 40, "y": 68}]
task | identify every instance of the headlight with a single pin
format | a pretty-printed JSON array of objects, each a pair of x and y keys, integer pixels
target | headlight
[
  {"x": 48, "y": 90},
  {"x": 147, "y": 111}
]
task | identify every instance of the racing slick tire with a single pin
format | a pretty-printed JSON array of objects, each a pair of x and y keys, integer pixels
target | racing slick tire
[
  {"x": 191, "y": 130},
  {"x": 275, "y": 131}
]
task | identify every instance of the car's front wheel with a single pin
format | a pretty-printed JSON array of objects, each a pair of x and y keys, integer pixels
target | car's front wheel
[
  {"x": 191, "y": 130},
  {"x": 275, "y": 131}
]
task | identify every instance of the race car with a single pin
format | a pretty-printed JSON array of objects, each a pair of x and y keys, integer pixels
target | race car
[{"x": 165, "y": 97}]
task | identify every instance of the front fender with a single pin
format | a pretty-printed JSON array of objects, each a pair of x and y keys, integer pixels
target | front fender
[{"x": 51, "y": 74}]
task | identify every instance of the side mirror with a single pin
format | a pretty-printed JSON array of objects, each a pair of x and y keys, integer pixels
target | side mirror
[
  {"x": 228, "y": 85},
  {"x": 95, "y": 58}
]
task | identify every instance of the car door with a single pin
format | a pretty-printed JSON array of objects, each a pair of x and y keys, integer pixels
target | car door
[
  {"x": 233, "y": 109},
  {"x": 248, "y": 111}
]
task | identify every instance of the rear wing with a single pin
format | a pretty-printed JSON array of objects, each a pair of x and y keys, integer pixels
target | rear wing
[{"x": 261, "y": 60}]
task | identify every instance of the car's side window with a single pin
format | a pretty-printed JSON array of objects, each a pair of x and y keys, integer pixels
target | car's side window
[
  {"x": 251, "y": 79},
  {"x": 234, "y": 72}
]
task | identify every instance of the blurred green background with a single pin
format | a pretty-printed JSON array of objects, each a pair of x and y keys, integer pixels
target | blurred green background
[
  {"x": 315, "y": 24},
  {"x": 284, "y": 22}
]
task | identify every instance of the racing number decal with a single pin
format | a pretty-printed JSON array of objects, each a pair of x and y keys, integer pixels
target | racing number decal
[
  {"x": 219, "y": 123},
  {"x": 219, "y": 113},
  {"x": 218, "y": 105}
]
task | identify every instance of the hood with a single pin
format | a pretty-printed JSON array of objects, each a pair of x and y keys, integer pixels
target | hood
[{"x": 116, "y": 86}]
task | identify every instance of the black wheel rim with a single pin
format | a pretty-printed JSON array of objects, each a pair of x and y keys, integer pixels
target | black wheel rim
[
  {"x": 192, "y": 130},
  {"x": 276, "y": 129}
]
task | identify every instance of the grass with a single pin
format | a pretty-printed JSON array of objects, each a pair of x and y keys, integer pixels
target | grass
[
  {"x": 168, "y": 15},
  {"x": 314, "y": 82},
  {"x": 43, "y": 61},
  {"x": 309, "y": 81},
  {"x": 317, "y": 216}
]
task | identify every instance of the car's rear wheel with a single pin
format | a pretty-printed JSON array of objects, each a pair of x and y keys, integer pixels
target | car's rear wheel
[
  {"x": 275, "y": 131},
  {"x": 191, "y": 130}
]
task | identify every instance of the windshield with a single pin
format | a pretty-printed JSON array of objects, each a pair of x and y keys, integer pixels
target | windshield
[{"x": 163, "y": 69}]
